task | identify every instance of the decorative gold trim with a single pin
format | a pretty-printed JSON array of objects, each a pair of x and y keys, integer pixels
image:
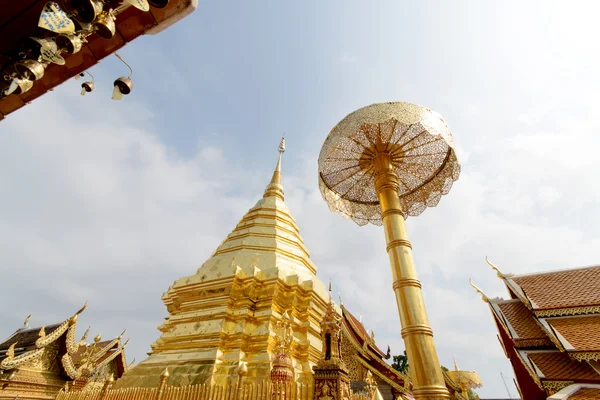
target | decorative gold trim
[
  {"x": 382, "y": 376},
  {"x": 11, "y": 362},
  {"x": 417, "y": 329},
  {"x": 552, "y": 387},
  {"x": 406, "y": 282},
  {"x": 106, "y": 348},
  {"x": 396, "y": 243},
  {"x": 45, "y": 340},
  {"x": 585, "y": 356},
  {"x": 67, "y": 363},
  {"x": 568, "y": 311}
]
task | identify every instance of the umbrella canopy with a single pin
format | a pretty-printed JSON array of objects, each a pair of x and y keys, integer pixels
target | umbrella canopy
[{"x": 422, "y": 155}]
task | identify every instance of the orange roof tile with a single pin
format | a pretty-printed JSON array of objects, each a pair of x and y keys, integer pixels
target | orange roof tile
[
  {"x": 583, "y": 333},
  {"x": 559, "y": 366},
  {"x": 586, "y": 394},
  {"x": 562, "y": 289},
  {"x": 522, "y": 320}
]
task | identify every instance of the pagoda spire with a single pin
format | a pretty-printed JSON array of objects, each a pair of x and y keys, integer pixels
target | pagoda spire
[{"x": 274, "y": 188}]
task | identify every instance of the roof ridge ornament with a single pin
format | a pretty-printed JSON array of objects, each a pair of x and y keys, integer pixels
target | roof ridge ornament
[
  {"x": 484, "y": 297},
  {"x": 498, "y": 272}
]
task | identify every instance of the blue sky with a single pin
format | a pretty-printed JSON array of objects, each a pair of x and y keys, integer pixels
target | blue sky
[{"x": 111, "y": 201}]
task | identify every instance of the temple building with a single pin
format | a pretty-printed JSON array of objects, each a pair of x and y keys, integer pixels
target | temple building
[
  {"x": 36, "y": 363},
  {"x": 228, "y": 311},
  {"x": 549, "y": 329},
  {"x": 257, "y": 305}
]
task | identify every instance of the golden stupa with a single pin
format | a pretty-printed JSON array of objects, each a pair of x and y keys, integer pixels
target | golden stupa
[{"x": 228, "y": 312}]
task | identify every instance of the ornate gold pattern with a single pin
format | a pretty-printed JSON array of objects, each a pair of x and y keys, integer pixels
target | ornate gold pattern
[
  {"x": 585, "y": 356},
  {"x": 567, "y": 311},
  {"x": 421, "y": 150},
  {"x": 379, "y": 163},
  {"x": 552, "y": 387}
]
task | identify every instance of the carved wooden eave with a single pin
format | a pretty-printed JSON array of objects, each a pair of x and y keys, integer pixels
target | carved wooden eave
[
  {"x": 44, "y": 340},
  {"x": 368, "y": 346},
  {"x": 367, "y": 356}
]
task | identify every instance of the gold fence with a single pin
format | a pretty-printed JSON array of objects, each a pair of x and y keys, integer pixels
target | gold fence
[{"x": 234, "y": 391}]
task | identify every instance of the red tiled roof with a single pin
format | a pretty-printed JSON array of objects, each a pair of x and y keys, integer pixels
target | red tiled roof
[
  {"x": 522, "y": 320},
  {"x": 586, "y": 394},
  {"x": 360, "y": 330},
  {"x": 559, "y": 366},
  {"x": 563, "y": 289},
  {"x": 583, "y": 333}
]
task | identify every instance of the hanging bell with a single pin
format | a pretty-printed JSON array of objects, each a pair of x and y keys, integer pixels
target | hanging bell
[
  {"x": 30, "y": 69},
  {"x": 87, "y": 87},
  {"x": 105, "y": 25},
  {"x": 123, "y": 86},
  {"x": 158, "y": 3},
  {"x": 84, "y": 11},
  {"x": 69, "y": 43},
  {"x": 16, "y": 86}
]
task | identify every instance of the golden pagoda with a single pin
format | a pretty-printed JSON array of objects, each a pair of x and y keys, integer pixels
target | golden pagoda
[{"x": 230, "y": 311}]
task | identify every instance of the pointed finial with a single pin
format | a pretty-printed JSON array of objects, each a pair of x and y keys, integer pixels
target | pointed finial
[
  {"x": 98, "y": 338},
  {"x": 165, "y": 373},
  {"x": 483, "y": 296},
  {"x": 360, "y": 318},
  {"x": 500, "y": 274},
  {"x": 85, "y": 335},
  {"x": 26, "y": 322},
  {"x": 274, "y": 187},
  {"x": 340, "y": 297},
  {"x": 122, "y": 333},
  {"x": 242, "y": 368},
  {"x": 455, "y": 365}
]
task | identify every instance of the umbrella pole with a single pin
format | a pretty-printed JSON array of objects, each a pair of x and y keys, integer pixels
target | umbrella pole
[{"x": 426, "y": 373}]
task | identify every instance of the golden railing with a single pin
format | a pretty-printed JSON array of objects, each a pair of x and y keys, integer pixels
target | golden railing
[{"x": 254, "y": 391}]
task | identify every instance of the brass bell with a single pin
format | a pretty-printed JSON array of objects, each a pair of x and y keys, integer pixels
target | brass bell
[
  {"x": 87, "y": 87},
  {"x": 158, "y": 3},
  {"x": 30, "y": 69},
  {"x": 69, "y": 43},
  {"x": 84, "y": 11},
  {"x": 123, "y": 86},
  {"x": 105, "y": 25},
  {"x": 19, "y": 86}
]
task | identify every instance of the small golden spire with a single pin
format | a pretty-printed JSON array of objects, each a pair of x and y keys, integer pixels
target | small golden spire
[
  {"x": 340, "y": 297},
  {"x": 98, "y": 338},
  {"x": 274, "y": 188},
  {"x": 165, "y": 373},
  {"x": 455, "y": 364},
  {"x": 26, "y": 323},
  {"x": 85, "y": 335}
]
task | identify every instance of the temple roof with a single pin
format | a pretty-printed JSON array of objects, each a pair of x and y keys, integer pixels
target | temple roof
[
  {"x": 550, "y": 329},
  {"x": 555, "y": 365},
  {"x": 25, "y": 339},
  {"x": 76, "y": 357},
  {"x": 581, "y": 333},
  {"x": 357, "y": 329},
  {"x": 585, "y": 394},
  {"x": 558, "y": 289}
]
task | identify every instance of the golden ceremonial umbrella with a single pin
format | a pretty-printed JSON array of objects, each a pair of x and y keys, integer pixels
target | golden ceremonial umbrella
[{"x": 379, "y": 165}]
